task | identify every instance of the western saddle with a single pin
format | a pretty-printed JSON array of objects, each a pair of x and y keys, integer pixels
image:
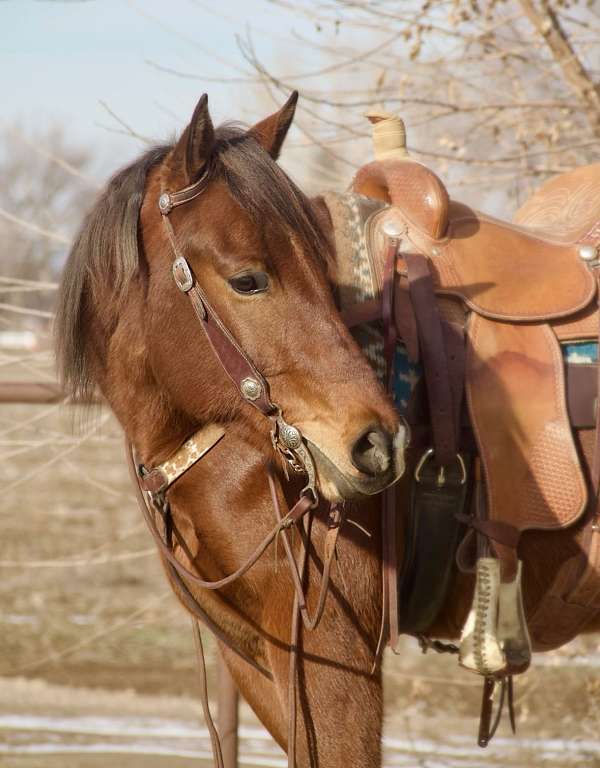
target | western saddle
[{"x": 486, "y": 307}]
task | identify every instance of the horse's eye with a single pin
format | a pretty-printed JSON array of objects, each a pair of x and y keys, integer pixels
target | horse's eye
[{"x": 250, "y": 282}]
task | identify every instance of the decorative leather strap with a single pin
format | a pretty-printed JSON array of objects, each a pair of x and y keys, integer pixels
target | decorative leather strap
[{"x": 198, "y": 445}]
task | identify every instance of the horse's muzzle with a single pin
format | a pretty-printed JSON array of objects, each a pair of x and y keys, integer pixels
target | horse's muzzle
[{"x": 377, "y": 461}]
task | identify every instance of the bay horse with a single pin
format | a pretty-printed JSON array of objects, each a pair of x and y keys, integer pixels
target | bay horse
[{"x": 264, "y": 258}]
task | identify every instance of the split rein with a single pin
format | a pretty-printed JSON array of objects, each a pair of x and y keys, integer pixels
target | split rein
[{"x": 152, "y": 485}]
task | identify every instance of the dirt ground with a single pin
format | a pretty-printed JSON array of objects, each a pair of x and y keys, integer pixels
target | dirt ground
[{"x": 97, "y": 665}]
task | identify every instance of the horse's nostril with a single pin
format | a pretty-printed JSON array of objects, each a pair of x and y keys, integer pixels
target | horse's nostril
[{"x": 372, "y": 452}]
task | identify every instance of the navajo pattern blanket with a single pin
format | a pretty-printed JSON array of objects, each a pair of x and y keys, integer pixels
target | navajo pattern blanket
[{"x": 356, "y": 282}]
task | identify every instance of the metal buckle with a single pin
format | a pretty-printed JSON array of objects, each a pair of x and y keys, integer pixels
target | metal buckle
[
  {"x": 182, "y": 274},
  {"x": 441, "y": 478}
]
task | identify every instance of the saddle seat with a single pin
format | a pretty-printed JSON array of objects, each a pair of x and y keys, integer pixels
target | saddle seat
[{"x": 566, "y": 208}]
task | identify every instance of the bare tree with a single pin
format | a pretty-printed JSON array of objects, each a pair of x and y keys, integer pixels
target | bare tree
[
  {"x": 44, "y": 192},
  {"x": 496, "y": 95}
]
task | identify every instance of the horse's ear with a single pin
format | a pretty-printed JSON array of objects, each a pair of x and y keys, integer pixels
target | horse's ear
[
  {"x": 271, "y": 131},
  {"x": 196, "y": 143}
]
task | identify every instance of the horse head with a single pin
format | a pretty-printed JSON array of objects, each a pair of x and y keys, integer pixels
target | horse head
[{"x": 261, "y": 254}]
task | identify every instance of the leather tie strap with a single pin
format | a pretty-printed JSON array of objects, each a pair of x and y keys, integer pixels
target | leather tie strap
[
  {"x": 390, "y": 618},
  {"x": 503, "y": 538},
  {"x": 497, "y": 530},
  {"x": 487, "y": 729},
  {"x": 387, "y": 308},
  {"x": 444, "y": 407}
]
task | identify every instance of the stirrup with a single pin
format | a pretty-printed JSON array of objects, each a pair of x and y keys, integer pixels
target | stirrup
[{"x": 495, "y": 639}]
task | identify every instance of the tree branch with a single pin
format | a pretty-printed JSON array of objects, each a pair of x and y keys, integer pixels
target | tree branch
[{"x": 549, "y": 27}]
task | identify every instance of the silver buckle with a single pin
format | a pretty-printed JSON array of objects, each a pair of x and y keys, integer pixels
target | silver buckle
[
  {"x": 441, "y": 478},
  {"x": 182, "y": 274}
]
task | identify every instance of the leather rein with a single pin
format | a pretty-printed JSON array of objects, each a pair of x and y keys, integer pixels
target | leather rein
[{"x": 152, "y": 486}]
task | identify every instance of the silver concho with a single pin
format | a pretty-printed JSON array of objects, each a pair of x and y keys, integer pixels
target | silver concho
[
  {"x": 251, "y": 389},
  {"x": 588, "y": 252},
  {"x": 290, "y": 436},
  {"x": 393, "y": 228},
  {"x": 164, "y": 202}
]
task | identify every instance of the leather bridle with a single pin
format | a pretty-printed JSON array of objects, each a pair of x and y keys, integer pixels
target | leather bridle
[
  {"x": 250, "y": 383},
  {"x": 152, "y": 486}
]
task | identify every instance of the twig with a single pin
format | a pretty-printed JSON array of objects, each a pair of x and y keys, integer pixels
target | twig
[
  {"x": 70, "y": 649},
  {"x": 26, "y": 311},
  {"x": 129, "y": 130},
  {"x": 80, "y": 562}
]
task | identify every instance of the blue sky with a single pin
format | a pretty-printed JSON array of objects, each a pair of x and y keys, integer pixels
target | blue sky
[{"x": 61, "y": 58}]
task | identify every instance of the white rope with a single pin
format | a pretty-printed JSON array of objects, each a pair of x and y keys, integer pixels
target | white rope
[{"x": 104, "y": 560}]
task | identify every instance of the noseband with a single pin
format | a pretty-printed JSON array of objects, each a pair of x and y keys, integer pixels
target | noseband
[{"x": 289, "y": 445}]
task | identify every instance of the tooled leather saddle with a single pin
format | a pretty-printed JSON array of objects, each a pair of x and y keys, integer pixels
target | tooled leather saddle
[{"x": 487, "y": 309}]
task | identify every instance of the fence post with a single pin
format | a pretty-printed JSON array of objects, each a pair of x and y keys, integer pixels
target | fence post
[{"x": 228, "y": 700}]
